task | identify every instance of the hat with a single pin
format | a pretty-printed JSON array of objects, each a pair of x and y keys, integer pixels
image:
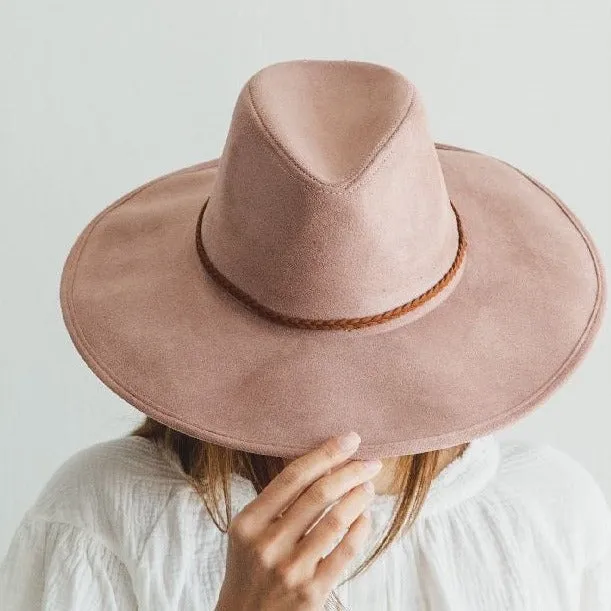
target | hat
[{"x": 334, "y": 269}]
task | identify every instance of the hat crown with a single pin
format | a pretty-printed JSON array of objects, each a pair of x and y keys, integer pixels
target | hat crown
[{"x": 329, "y": 201}]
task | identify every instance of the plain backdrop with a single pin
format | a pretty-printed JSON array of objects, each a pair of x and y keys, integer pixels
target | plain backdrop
[{"x": 97, "y": 98}]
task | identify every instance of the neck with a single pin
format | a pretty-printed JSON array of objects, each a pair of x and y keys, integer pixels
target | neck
[{"x": 383, "y": 482}]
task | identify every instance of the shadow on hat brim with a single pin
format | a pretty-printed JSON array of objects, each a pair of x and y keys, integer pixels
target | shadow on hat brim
[{"x": 160, "y": 333}]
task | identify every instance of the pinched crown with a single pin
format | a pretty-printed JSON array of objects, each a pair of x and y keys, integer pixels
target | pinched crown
[{"x": 329, "y": 200}]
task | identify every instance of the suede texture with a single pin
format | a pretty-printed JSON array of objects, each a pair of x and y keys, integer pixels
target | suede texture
[{"x": 330, "y": 200}]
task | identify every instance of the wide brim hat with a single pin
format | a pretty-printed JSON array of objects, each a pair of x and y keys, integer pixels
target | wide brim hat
[{"x": 335, "y": 269}]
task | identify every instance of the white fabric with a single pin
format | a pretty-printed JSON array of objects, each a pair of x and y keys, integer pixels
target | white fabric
[{"x": 507, "y": 526}]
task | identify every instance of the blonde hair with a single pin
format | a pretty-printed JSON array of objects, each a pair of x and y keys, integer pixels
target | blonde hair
[{"x": 208, "y": 467}]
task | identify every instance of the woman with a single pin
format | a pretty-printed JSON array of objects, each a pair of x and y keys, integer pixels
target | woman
[
  {"x": 132, "y": 523},
  {"x": 335, "y": 270}
]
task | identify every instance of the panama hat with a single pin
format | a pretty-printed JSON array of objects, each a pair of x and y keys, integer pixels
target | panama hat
[{"x": 334, "y": 269}]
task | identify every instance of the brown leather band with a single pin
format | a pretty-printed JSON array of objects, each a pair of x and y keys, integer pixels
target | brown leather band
[{"x": 347, "y": 324}]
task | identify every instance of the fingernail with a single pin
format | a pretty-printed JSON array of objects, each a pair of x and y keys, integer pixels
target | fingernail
[
  {"x": 349, "y": 441},
  {"x": 371, "y": 466},
  {"x": 367, "y": 513}
]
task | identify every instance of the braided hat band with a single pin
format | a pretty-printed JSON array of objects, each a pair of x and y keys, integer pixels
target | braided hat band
[{"x": 347, "y": 324}]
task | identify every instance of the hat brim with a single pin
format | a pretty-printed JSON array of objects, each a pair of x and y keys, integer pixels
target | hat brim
[{"x": 160, "y": 333}]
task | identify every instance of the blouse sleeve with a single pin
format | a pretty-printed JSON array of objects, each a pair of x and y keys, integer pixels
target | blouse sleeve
[
  {"x": 596, "y": 582},
  {"x": 57, "y": 567}
]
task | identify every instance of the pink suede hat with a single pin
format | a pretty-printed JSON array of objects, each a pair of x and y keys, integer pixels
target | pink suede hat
[{"x": 335, "y": 269}]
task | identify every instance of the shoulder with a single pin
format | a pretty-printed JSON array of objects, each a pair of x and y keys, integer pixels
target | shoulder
[
  {"x": 553, "y": 471},
  {"x": 108, "y": 471},
  {"x": 558, "y": 490},
  {"x": 113, "y": 489},
  {"x": 126, "y": 490},
  {"x": 124, "y": 505}
]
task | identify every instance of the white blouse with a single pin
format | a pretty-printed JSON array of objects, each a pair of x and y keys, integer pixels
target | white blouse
[{"x": 507, "y": 526}]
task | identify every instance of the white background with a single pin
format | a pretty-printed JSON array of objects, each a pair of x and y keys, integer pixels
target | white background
[{"x": 99, "y": 97}]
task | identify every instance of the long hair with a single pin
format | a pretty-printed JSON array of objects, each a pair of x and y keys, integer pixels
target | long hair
[{"x": 208, "y": 467}]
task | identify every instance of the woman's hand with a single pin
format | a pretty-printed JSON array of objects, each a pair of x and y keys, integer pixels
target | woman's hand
[{"x": 272, "y": 564}]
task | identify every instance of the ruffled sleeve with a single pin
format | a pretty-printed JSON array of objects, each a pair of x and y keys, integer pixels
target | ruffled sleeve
[{"x": 52, "y": 566}]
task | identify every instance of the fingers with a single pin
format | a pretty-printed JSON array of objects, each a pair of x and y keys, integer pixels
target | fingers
[
  {"x": 332, "y": 526},
  {"x": 330, "y": 568},
  {"x": 295, "y": 478},
  {"x": 322, "y": 493},
  {"x": 287, "y": 561}
]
